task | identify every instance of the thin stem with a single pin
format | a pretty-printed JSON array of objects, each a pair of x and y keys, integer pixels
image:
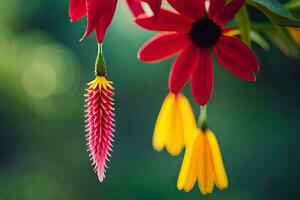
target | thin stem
[
  {"x": 100, "y": 67},
  {"x": 244, "y": 25},
  {"x": 203, "y": 117}
]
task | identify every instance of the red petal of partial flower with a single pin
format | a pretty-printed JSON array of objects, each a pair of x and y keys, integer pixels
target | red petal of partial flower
[
  {"x": 238, "y": 67},
  {"x": 183, "y": 67},
  {"x": 154, "y": 5},
  {"x": 203, "y": 77},
  {"x": 163, "y": 46},
  {"x": 95, "y": 11},
  {"x": 105, "y": 21},
  {"x": 193, "y": 9},
  {"x": 214, "y": 7},
  {"x": 239, "y": 51},
  {"x": 77, "y": 9},
  {"x": 165, "y": 21},
  {"x": 135, "y": 7},
  {"x": 228, "y": 12}
]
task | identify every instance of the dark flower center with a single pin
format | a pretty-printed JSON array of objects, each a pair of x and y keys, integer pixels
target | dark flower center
[{"x": 205, "y": 33}]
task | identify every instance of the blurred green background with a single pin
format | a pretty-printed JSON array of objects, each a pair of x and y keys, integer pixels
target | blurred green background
[{"x": 43, "y": 72}]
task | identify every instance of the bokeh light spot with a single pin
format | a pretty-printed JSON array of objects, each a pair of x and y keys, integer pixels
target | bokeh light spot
[{"x": 39, "y": 80}]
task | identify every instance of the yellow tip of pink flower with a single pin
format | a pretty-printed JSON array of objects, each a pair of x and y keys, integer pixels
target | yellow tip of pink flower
[
  {"x": 101, "y": 82},
  {"x": 203, "y": 162},
  {"x": 174, "y": 124}
]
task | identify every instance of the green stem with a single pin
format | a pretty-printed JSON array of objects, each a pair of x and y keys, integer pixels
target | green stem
[
  {"x": 202, "y": 122},
  {"x": 100, "y": 67},
  {"x": 243, "y": 21}
]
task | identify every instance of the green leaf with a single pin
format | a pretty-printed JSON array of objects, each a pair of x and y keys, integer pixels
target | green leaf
[
  {"x": 257, "y": 38},
  {"x": 283, "y": 40},
  {"x": 293, "y": 5},
  {"x": 243, "y": 21},
  {"x": 275, "y": 12}
]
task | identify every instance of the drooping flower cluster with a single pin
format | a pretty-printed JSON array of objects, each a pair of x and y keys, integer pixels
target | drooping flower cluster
[
  {"x": 175, "y": 124},
  {"x": 176, "y": 129},
  {"x": 203, "y": 162},
  {"x": 100, "y": 123}
]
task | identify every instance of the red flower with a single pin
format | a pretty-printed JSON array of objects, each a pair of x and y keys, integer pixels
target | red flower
[
  {"x": 192, "y": 33},
  {"x": 100, "y": 122},
  {"x": 136, "y": 8},
  {"x": 99, "y": 15}
]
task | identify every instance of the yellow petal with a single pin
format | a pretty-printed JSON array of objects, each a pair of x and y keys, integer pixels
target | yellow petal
[
  {"x": 94, "y": 84},
  {"x": 232, "y": 32},
  {"x": 192, "y": 169},
  {"x": 210, "y": 170},
  {"x": 189, "y": 123},
  {"x": 202, "y": 165},
  {"x": 103, "y": 83},
  {"x": 221, "y": 177},
  {"x": 163, "y": 124},
  {"x": 175, "y": 140},
  {"x": 184, "y": 170},
  {"x": 295, "y": 34}
]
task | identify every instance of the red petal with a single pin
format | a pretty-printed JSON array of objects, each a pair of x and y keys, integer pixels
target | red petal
[
  {"x": 203, "y": 77},
  {"x": 154, "y": 5},
  {"x": 95, "y": 11},
  {"x": 228, "y": 12},
  {"x": 239, "y": 66},
  {"x": 77, "y": 9},
  {"x": 104, "y": 23},
  {"x": 183, "y": 67},
  {"x": 165, "y": 21},
  {"x": 214, "y": 6},
  {"x": 162, "y": 46},
  {"x": 193, "y": 9},
  {"x": 239, "y": 51},
  {"x": 135, "y": 7}
]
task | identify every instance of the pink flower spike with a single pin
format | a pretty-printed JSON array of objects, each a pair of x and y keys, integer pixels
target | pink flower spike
[{"x": 100, "y": 123}]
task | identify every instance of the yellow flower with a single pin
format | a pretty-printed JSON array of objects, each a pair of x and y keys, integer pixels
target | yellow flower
[
  {"x": 295, "y": 34},
  {"x": 174, "y": 125},
  {"x": 203, "y": 162}
]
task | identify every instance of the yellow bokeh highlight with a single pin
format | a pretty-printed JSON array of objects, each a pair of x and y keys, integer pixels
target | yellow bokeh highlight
[{"x": 39, "y": 81}]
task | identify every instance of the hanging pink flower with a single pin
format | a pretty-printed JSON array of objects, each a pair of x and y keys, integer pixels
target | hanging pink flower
[
  {"x": 99, "y": 15},
  {"x": 100, "y": 123},
  {"x": 192, "y": 33}
]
